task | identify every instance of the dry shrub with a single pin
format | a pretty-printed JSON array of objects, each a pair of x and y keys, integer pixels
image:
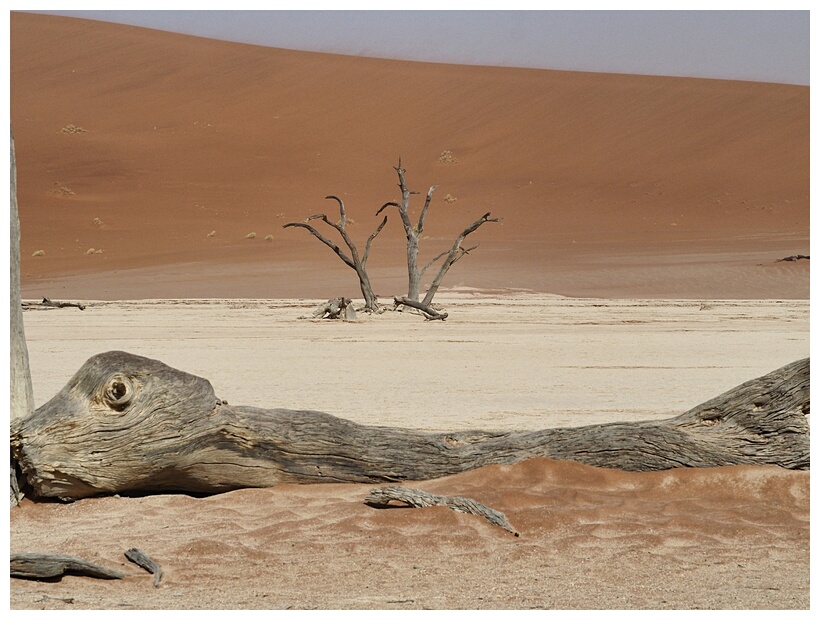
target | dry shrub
[
  {"x": 450, "y": 198},
  {"x": 39, "y": 253},
  {"x": 97, "y": 222},
  {"x": 251, "y": 235},
  {"x": 71, "y": 129},
  {"x": 269, "y": 238},
  {"x": 211, "y": 234},
  {"x": 62, "y": 190},
  {"x": 446, "y": 157}
]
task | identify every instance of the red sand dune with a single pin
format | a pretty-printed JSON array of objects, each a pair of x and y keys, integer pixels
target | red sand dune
[{"x": 609, "y": 185}]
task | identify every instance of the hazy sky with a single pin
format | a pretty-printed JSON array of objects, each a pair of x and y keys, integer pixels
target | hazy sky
[{"x": 769, "y": 46}]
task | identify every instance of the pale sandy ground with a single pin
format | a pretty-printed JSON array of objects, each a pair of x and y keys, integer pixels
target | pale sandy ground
[{"x": 734, "y": 538}]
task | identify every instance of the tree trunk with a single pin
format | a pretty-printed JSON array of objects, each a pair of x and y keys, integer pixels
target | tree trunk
[
  {"x": 413, "y": 275},
  {"x": 371, "y": 302},
  {"x": 22, "y": 394},
  {"x": 127, "y": 423},
  {"x": 413, "y": 234}
]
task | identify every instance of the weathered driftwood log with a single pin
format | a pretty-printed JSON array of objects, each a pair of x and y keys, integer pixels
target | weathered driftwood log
[
  {"x": 381, "y": 498},
  {"x": 338, "y": 308},
  {"x": 47, "y": 303},
  {"x": 141, "y": 559},
  {"x": 128, "y": 423},
  {"x": 53, "y": 566},
  {"x": 793, "y": 258}
]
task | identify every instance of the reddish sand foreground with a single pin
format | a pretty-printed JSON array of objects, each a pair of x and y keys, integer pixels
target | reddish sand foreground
[{"x": 145, "y": 159}]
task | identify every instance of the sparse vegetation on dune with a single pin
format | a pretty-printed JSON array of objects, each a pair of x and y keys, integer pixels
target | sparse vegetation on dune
[
  {"x": 72, "y": 129},
  {"x": 447, "y": 157}
]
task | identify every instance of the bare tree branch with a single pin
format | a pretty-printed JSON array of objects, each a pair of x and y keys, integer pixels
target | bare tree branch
[
  {"x": 463, "y": 252},
  {"x": 382, "y": 496},
  {"x": 388, "y": 204},
  {"x": 323, "y": 239},
  {"x": 324, "y": 218},
  {"x": 432, "y": 262},
  {"x": 420, "y": 226},
  {"x": 453, "y": 256},
  {"x": 342, "y": 214},
  {"x": 370, "y": 240},
  {"x": 340, "y": 228}
]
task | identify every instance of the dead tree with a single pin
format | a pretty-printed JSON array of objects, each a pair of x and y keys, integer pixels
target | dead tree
[
  {"x": 22, "y": 394},
  {"x": 128, "y": 423},
  {"x": 354, "y": 261},
  {"x": 413, "y": 233}
]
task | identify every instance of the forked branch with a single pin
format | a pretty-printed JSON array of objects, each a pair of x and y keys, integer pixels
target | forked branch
[
  {"x": 456, "y": 252},
  {"x": 322, "y": 238}
]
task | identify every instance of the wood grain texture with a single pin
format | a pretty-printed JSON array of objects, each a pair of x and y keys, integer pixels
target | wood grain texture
[
  {"x": 416, "y": 498},
  {"x": 42, "y": 566},
  {"x": 141, "y": 559},
  {"x": 127, "y": 423}
]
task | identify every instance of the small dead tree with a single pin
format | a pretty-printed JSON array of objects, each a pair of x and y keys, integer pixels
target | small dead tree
[
  {"x": 354, "y": 261},
  {"x": 413, "y": 233}
]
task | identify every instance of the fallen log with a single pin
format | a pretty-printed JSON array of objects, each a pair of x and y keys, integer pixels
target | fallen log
[
  {"x": 793, "y": 258},
  {"x": 126, "y": 423},
  {"x": 47, "y": 303},
  {"x": 41, "y": 566}
]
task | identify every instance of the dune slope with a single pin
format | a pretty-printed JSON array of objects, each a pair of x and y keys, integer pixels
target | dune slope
[{"x": 141, "y": 143}]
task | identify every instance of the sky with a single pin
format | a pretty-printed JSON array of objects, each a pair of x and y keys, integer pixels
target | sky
[{"x": 765, "y": 46}]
